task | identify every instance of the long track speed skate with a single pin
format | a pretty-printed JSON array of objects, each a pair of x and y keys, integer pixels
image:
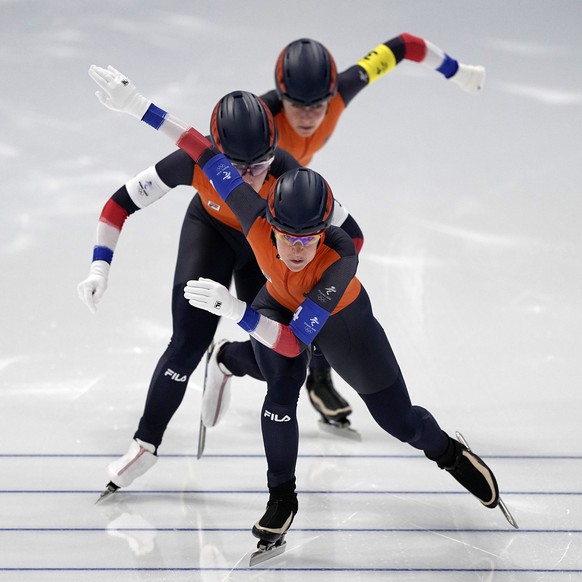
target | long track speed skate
[
  {"x": 275, "y": 523},
  {"x": 501, "y": 504},
  {"x": 139, "y": 459},
  {"x": 215, "y": 393},
  {"x": 333, "y": 408}
]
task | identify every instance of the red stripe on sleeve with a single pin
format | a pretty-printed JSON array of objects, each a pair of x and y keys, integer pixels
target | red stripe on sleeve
[
  {"x": 287, "y": 344},
  {"x": 414, "y": 47},
  {"x": 113, "y": 214},
  {"x": 193, "y": 143}
]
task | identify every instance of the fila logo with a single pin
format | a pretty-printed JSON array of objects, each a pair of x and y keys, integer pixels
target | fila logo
[
  {"x": 275, "y": 417},
  {"x": 175, "y": 376}
]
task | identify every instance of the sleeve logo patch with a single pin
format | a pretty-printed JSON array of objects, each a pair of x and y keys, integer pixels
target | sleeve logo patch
[
  {"x": 223, "y": 172},
  {"x": 143, "y": 187},
  {"x": 324, "y": 296},
  {"x": 310, "y": 327}
]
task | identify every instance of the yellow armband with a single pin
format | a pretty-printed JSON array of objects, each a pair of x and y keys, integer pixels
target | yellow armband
[{"x": 378, "y": 62}]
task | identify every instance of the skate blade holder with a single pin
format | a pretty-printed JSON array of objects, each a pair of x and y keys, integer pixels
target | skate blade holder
[
  {"x": 267, "y": 550},
  {"x": 109, "y": 491},
  {"x": 338, "y": 430},
  {"x": 501, "y": 503}
]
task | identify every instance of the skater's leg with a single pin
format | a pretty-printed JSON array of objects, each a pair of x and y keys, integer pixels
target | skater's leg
[
  {"x": 358, "y": 349},
  {"x": 193, "y": 330},
  {"x": 203, "y": 251},
  {"x": 239, "y": 359},
  {"x": 193, "y": 333},
  {"x": 392, "y": 410},
  {"x": 284, "y": 376}
]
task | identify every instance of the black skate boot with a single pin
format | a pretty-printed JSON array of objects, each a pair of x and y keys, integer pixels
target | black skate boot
[
  {"x": 332, "y": 407},
  {"x": 281, "y": 509},
  {"x": 471, "y": 472},
  {"x": 325, "y": 398},
  {"x": 272, "y": 527}
]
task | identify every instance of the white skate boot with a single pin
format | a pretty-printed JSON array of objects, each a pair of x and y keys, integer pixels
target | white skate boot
[
  {"x": 139, "y": 459},
  {"x": 216, "y": 394}
]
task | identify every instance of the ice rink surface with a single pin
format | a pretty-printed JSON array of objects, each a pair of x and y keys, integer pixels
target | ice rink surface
[{"x": 473, "y": 255}]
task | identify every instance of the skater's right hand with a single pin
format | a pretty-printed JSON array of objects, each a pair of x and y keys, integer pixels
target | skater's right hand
[
  {"x": 92, "y": 289},
  {"x": 118, "y": 93},
  {"x": 213, "y": 297}
]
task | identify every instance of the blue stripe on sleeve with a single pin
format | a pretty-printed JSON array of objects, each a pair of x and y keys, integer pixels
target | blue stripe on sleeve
[
  {"x": 308, "y": 320},
  {"x": 222, "y": 174},
  {"x": 154, "y": 116},
  {"x": 448, "y": 67},
  {"x": 102, "y": 254},
  {"x": 250, "y": 320}
]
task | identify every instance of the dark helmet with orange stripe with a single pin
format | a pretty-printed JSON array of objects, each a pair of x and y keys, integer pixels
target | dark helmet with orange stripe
[
  {"x": 305, "y": 73},
  {"x": 242, "y": 128},
  {"x": 300, "y": 203}
]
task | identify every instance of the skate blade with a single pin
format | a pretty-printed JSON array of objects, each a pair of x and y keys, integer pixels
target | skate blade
[
  {"x": 341, "y": 431},
  {"x": 267, "y": 551},
  {"x": 202, "y": 430},
  {"x": 201, "y": 440},
  {"x": 506, "y": 513},
  {"x": 110, "y": 490}
]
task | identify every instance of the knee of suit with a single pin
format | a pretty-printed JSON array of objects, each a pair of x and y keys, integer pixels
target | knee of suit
[
  {"x": 183, "y": 355},
  {"x": 283, "y": 390}
]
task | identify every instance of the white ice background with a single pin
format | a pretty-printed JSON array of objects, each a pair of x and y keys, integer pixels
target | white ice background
[{"x": 473, "y": 256}]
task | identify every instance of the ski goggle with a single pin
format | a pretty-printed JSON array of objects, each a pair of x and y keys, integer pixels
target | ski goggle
[
  {"x": 291, "y": 240},
  {"x": 255, "y": 169},
  {"x": 315, "y": 107}
]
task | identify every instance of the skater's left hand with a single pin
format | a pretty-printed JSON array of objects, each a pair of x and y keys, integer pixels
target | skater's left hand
[
  {"x": 118, "y": 93},
  {"x": 215, "y": 298}
]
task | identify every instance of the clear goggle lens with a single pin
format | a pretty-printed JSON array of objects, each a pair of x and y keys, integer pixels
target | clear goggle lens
[{"x": 255, "y": 169}]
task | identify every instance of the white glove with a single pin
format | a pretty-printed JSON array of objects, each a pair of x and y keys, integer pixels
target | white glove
[
  {"x": 91, "y": 290},
  {"x": 118, "y": 92},
  {"x": 215, "y": 298},
  {"x": 470, "y": 78}
]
